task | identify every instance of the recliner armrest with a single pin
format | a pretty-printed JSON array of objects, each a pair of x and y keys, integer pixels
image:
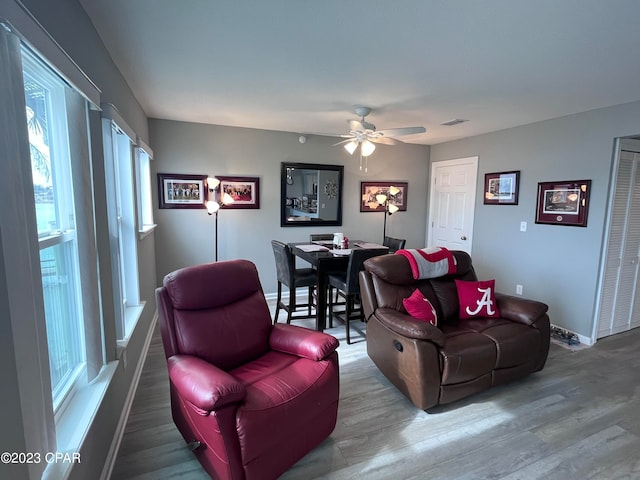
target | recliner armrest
[
  {"x": 520, "y": 309},
  {"x": 202, "y": 384},
  {"x": 302, "y": 342},
  {"x": 409, "y": 327}
]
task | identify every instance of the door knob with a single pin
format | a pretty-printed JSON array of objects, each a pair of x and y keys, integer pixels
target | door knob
[{"x": 463, "y": 238}]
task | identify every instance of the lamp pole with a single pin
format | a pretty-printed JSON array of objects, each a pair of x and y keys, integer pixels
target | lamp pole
[
  {"x": 213, "y": 207},
  {"x": 216, "y": 221},
  {"x": 389, "y": 208},
  {"x": 386, "y": 212}
]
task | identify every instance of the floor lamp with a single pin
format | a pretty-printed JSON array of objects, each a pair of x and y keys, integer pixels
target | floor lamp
[
  {"x": 389, "y": 208},
  {"x": 213, "y": 206}
]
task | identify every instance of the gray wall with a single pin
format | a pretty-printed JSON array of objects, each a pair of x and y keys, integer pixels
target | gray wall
[
  {"x": 556, "y": 264},
  {"x": 68, "y": 24},
  {"x": 186, "y": 237}
]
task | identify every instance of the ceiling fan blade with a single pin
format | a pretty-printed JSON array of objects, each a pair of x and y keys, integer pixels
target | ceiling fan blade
[
  {"x": 350, "y": 139},
  {"x": 396, "y": 132},
  {"x": 385, "y": 140}
]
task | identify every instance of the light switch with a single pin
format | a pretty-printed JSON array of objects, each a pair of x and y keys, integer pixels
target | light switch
[{"x": 523, "y": 226}]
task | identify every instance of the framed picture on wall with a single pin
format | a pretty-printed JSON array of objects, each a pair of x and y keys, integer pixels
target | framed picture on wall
[
  {"x": 181, "y": 190},
  {"x": 245, "y": 191},
  {"x": 370, "y": 191},
  {"x": 501, "y": 188},
  {"x": 563, "y": 203}
]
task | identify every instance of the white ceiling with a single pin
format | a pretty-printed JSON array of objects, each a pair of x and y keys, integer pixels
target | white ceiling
[{"x": 303, "y": 66}]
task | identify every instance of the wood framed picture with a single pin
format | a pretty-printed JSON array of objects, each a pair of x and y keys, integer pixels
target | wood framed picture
[
  {"x": 181, "y": 190},
  {"x": 501, "y": 188},
  {"x": 395, "y": 192},
  {"x": 563, "y": 203},
  {"x": 245, "y": 191}
]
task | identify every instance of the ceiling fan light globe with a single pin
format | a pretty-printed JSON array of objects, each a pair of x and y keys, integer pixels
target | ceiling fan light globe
[
  {"x": 351, "y": 147},
  {"x": 367, "y": 148}
]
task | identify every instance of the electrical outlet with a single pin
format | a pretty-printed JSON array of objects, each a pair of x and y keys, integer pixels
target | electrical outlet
[{"x": 519, "y": 289}]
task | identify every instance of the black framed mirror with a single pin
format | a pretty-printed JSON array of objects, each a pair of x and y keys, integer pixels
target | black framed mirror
[{"x": 311, "y": 194}]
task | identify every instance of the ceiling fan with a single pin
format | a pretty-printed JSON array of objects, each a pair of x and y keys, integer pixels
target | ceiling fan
[{"x": 364, "y": 134}]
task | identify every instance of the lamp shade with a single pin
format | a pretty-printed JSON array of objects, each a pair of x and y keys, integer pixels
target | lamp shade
[
  {"x": 212, "y": 207},
  {"x": 393, "y": 190},
  {"x": 367, "y": 148},
  {"x": 381, "y": 198},
  {"x": 212, "y": 183},
  {"x": 393, "y": 208},
  {"x": 227, "y": 199},
  {"x": 351, "y": 147}
]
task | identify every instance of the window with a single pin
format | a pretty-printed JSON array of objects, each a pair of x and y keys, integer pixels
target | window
[
  {"x": 48, "y": 241},
  {"x": 143, "y": 171},
  {"x": 118, "y": 146},
  {"x": 46, "y": 117}
]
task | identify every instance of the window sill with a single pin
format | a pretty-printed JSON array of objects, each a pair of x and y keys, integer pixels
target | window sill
[
  {"x": 131, "y": 317},
  {"x": 146, "y": 230},
  {"x": 73, "y": 425}
]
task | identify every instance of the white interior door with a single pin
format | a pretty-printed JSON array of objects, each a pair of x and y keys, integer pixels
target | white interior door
[{"x": 452, "y": 204}]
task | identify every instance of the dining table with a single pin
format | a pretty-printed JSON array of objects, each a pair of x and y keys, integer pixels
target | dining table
[{"x": 326, "y": 260}]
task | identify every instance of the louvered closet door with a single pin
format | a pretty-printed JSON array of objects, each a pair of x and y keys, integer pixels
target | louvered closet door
[{"x": 619, "y": 299}]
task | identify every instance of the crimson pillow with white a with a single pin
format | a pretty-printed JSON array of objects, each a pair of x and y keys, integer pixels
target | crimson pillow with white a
[
  {"x": 477, "y": 299},
  {"x": 420, "y": 307}
]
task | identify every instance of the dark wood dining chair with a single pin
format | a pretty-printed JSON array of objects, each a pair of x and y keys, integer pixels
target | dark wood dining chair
[
  {"x": 394, "y": 244},
  {"x": 293, "y": 278},
  {"x": 347, "y": 285}
]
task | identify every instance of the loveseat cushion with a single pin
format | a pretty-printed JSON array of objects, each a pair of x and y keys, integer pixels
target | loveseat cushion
[
  {"x": 516, "y": 344},
  {"x": 475, "y": 347},
  {"x": 466, "y": 355}
]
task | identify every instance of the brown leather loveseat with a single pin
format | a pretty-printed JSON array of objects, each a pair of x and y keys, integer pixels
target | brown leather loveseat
[{"x": 440, "y": 364}]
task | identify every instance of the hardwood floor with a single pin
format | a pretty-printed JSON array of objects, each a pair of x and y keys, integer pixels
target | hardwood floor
[{"x": 577, "y": 419}]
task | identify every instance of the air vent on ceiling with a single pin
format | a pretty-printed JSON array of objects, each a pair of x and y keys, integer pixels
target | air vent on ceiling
[{"x": 455, "y": 121}]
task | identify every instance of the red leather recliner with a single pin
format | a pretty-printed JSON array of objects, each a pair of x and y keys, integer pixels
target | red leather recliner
[{"x": 256, "y": 396}]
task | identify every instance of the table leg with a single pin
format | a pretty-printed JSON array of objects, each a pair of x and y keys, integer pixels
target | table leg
[{"x": 321, "y": 307}]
